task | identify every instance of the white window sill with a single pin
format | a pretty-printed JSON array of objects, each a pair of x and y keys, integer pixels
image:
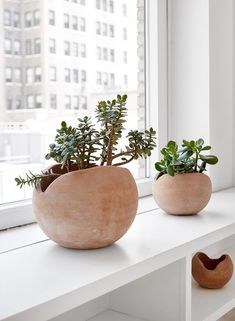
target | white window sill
[
  {"x": 44, "y": 280},
  {"x": 26, "y": 235}
]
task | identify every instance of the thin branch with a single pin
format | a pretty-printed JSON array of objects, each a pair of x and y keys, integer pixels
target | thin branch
[
  {"x": 128, "y": 152},
  {"x": 110, "y": 147},
  {"x": 124, "y": 162}
]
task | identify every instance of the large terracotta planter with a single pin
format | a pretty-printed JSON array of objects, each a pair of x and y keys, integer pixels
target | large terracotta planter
[
  {"x": 212, "y": 273},
  {"x": 182, "y": 194},
  {"x": 87, "y": 209}
]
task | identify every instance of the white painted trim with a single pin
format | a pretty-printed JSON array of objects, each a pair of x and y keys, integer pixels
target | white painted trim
[
  {"x": 16, "y": 214},
  {"x": 156, "y": 74}
]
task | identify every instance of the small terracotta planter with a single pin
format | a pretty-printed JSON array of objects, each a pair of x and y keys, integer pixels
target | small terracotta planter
[
  {"x": 87, "y": 209},
  {"x": 182, "y": 194},
  {"x": 212, "y": 273}
]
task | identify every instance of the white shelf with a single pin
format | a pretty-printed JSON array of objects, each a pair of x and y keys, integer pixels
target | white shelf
[
  {"x": 113, "y": 316},
  {"x": 43, "y": 281},
  {"x": 210, "y": 305}
]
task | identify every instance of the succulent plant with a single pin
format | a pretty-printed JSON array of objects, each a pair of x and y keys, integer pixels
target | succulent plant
[
  {"x": 187, "y": 159},
  {"x": 85, "y": 146}
]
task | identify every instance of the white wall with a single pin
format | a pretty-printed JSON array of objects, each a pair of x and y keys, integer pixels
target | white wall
[
  {"x": 221, "y": 90},
  {"x": 188, "y": 69},
  {"x": 201, "y": 79}
]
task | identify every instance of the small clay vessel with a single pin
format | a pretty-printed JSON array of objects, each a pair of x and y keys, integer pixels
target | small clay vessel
[
  {"x": 182, "y": 194},
  {"x": 212, "y": 273},
  {"x": 86, "y": 209}
]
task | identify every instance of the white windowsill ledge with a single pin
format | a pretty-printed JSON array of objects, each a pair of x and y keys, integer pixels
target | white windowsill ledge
[
  {"x": 26, "y": 235},
  {"x": 44, "y": 280}
]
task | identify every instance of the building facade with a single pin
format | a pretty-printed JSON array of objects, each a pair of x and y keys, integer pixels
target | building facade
[{"x": 62, "y": 56}]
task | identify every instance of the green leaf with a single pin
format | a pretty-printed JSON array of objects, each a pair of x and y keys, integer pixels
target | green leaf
[
  {"x": 170, "y": 170},
  {"x": 209, "y": 159},
  {"x": 200, "y": 142},
  {"x": 206, "y": 147}
]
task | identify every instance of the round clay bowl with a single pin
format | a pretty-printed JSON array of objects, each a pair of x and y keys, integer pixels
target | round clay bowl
[
  {"x": 89, "y": 208},
  {"x": 182, "y": 194},
  {"x": 212, "y": 273}
]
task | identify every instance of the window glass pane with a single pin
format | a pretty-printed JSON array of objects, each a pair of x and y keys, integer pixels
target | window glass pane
[{"x": 57, "y": 66}]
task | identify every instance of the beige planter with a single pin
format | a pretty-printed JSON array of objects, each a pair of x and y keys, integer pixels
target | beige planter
[
  {"x": 87, "y": 209},
  {"x": 212, "y": 273},
  {"x": 182, "y": 194}
]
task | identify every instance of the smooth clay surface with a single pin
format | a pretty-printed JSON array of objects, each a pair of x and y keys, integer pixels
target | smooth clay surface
[
  {"x": 212, "y": 273},
  {"x": 87, "y": 209},
  {"x": 182, "y": 194}
]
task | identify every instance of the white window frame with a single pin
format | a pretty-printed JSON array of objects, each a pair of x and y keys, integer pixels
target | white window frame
[{"x": 20, "y": 212}]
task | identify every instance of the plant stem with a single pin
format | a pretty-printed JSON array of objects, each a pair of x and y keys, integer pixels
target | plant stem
[
  {"x": 124, "y": 162},
  {"x": 129, "y": 152},
  {"x": 196, "y": 161},
  {"x": 110, "y": 147}
]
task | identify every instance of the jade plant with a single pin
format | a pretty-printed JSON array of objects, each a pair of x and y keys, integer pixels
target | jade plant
[
  {"x": 85, "y": 146},
  {"x": 187, "y": 159}
]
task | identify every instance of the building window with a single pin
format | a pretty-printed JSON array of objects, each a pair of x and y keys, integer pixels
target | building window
[
  {"x": 53, "y": 101},
  {"x": 75, "y": 49},
  {"x": 9, "y": 104},
  {"x": 67, "y": 48},
  {"x": 98, "y": 4},
  {"x": 91, "y": 80},
  {"x": 83, "y": 102},
  {"x": 105, "y": 79},
  {"x": 111, "y": 6},
  {"x": 28, "y": 47},
  {"x": 8, "y": 74},
  {"x": 37, "y": 46},
  {"x": 51, "y": 17},
  {"x": 124, "y": 32},
  {"x": 8, "y": 46},
  {"x": 36, "y": 17},
  {"x": 112, "y": 55},
  {"x": 52, "y": 73},
  {"x": 75, "y": 23},
  {"x": 124, "y": 10},
  {"x": 112, "y": 80},
  {"x": 29, "y": 75},
  {"x": 67, "y": 102},
  {"x": 7, "y": 18},
  {"x": 17, "y": 47},
  {"x": 98, "y": 28},
  {"x": 28, "y": 19},
  {"x": 38, "y": 101},
  {"x": 18, "y": 104},
  {"x": 16, "y": 20},
  {"x": 76, "y": 102},
  {"x": 18, "y": 75},
  {"x": 30, "y": 102},
  {"x": 98, "y": 53},
  {"x": 83, "y": 50},
  {"x": 66, "y": 20},
  {"x": 105, "y": 29},
  {"x": 111, "y": 31},
  {"x": 104, "y": 3},
  {"x": 67, "y": 76},
  {"x": 52, "y": 46},
  {"x": 98, "y": 78},
  {"x": 38, "y": 74},
  {"x": 82, "y": 24},
  {"x": 75, "y": 75},
  {"x": 105, "y": 54},
  {"x": 83, "y": 76}
]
